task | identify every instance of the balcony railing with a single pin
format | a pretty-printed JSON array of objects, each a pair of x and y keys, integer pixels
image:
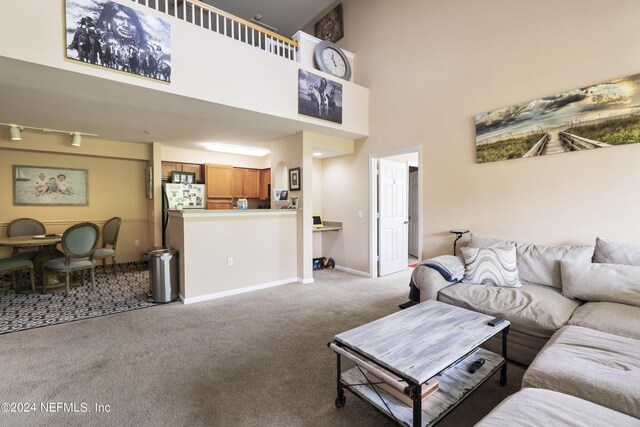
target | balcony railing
[{"x": 221, "y": 22}]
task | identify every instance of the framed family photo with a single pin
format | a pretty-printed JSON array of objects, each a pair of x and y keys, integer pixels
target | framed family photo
[
  {"x": 294, "y": 179},
  {"x": 42, "y": 185},
  {"x": 183, "y": 177}
]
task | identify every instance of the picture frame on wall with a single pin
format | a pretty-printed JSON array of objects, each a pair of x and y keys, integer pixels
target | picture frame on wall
[
  {"x": 331, "y": 26},
  {"x": 109, "y": 34},
  {"x": 319, "y": 97},
  {"x": 295, "y": 179},
  {"x": 50, "y": 186},
  {"x": 178, "y": 177}
]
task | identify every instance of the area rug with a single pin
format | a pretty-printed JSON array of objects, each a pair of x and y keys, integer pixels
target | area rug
[{"x": 113, "y": 294}]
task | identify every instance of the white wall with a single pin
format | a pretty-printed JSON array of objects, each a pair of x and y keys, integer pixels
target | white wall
[
  {"x": 205, "y": 65},
  {"x": 182, "y": 155},
  {"x": 432, "y": 65}
]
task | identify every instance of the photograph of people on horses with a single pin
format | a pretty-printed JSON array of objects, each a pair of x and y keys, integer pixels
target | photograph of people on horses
[
  {"x": 106, "y": 33},
  {"x": 319, "y": 97}
]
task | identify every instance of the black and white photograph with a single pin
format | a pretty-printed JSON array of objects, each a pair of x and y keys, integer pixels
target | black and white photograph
[
  {"x": 109, "y": 34},
  {"x": 330, "y": 27},
  {"x": 319, "y": 97},
  {"x": 294, "y": 179}
]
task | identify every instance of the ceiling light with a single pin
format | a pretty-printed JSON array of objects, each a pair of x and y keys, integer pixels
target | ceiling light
[
  {"x": 16, "y": 134},
  {"x": 76, "y": 139},
  {"x": 317, "y": 154},
  {"x": 236, "y": 149}
]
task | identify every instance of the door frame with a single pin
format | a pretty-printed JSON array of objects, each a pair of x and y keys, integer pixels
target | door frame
[{"x": 373, "y": 202}]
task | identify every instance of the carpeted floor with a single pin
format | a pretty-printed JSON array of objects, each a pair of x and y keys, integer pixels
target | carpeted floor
[
  {"x": 257, "y": 359},
  {"x": 113, "y": 294}
]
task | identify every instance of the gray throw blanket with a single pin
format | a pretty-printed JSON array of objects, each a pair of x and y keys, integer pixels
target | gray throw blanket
[{"x": 449, "y": 266}]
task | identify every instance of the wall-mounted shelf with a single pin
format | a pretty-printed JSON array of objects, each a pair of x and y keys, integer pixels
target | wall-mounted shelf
[{"x": 328, "y": 226}]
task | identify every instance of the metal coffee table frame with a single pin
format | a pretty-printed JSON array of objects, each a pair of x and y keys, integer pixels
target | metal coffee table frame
[{"x": 413, "y": 389}]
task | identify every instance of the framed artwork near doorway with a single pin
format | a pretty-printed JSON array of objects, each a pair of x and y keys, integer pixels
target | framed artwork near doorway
[{"x": 294, "y": 179}]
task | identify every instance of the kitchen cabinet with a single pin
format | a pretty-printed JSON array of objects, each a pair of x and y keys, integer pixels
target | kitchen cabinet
[
  {"x": 219, "y": 204},
  {"x": 265, "y": 181},
  {"x": 238, "y": 183},
  {"x": 246, "y": 183},
  {"x": 219, "y": 181},
  {"x": 168, "y": 167},
  {"x": 251, "y": 183}
]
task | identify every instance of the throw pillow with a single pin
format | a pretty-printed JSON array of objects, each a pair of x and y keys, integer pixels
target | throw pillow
[
  {"x": 491, "y": 266},
  {"x": 601, "y": 282},
  {"x": 478, "y": 241},
  {"x": 612, "y": 252}
]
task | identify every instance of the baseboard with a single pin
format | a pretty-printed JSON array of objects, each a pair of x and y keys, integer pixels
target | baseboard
[
  {"x": 218, "y": 295},
  {"x": 305, "y": 281},
  {"x": 352, "y": 271}
]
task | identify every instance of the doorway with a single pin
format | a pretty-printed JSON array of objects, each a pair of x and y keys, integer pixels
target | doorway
[{"x": 395, "y": 210}]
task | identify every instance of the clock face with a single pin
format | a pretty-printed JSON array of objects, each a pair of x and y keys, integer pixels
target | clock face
[{"x": 334, "y": 62}]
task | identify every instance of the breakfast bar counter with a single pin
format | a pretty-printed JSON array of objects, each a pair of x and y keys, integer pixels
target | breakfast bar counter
[{"x": 226, "y": 252}]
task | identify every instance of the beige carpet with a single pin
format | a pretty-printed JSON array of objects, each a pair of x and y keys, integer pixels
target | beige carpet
[{"x": 250, "y": 360}]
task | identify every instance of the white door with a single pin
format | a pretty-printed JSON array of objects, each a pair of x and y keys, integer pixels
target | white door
[
  {"x": 414, "y": 229},
  {"x": 392, "y": 224}
]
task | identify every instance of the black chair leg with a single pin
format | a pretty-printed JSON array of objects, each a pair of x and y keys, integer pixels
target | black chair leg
[
  {"x": 32, "y": 276},
  {"x": 13, "y": 280},
  {"x": 67, "y": 285},
  {"x": 93, "y": 280},
  {"x": 113, "y": 262}
]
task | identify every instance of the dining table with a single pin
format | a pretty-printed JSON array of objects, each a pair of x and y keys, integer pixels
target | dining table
[{"x": 48, "y": 250}]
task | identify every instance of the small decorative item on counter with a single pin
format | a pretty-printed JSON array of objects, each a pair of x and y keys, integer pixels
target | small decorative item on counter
[{"x": 243, "y": 204}]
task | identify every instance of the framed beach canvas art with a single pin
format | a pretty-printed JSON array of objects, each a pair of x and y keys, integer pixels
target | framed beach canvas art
[
  {"x": 42, "y": 185},
  {"x": 592, "y": 117}
]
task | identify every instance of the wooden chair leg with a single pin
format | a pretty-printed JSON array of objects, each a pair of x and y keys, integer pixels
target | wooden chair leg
[
  {"x": 32, "y": 276},
  {"x": 13, "y": 280},
  {"x": 93, "y": 280},
  {"x": 113, "y": 262},
  {"x": 44, "y": 281},
  {"x": 81, "y": 277},
  {"x": 67, "y": 285}
]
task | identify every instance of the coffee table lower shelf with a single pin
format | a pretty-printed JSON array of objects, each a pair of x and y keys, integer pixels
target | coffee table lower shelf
[{"x": 454, "y": 386}]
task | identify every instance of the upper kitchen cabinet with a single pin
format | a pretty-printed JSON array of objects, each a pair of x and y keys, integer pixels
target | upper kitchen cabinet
[
  {"x": 219, "y": 180},
  {"x": 168, "y": 167},
  {"x": 265, "y": 181},
  {"x": 246, "y": 183}
]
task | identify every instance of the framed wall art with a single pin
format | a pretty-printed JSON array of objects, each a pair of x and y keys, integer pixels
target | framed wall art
[
  {"x": 319, "y": 97},
  {"x": 331, "y": 26},
  {"x": 592, "y": 117},
  {"x": 295, "y": 183},
  {"x": 43, "y": 185},
  {"x": 111, "y": 35},
  {"x": 183, "y": 177}
]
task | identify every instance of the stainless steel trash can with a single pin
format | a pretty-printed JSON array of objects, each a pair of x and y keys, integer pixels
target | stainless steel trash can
[{"x": 163, "y": 274}]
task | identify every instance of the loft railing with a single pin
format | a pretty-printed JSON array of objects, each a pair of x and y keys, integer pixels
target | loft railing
[{"x": 221, "y": 22}]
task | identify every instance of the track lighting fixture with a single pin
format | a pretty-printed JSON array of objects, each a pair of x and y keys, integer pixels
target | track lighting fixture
[
  {"x": 16, "y": 133},
  {"x": 76, "y": 139}
]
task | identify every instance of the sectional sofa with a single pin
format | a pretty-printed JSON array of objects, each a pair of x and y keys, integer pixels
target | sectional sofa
[{"x": 575, "y": 320}]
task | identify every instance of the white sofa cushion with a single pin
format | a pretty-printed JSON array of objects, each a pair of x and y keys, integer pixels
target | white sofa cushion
[
  {"x": 592, "y": 365},
  {"x": 531, "y": 309},
  {"x": 491, "y": 266},
  {"x": 537, "y": 407},
  {"x": 618, "y": 319},
  {"x": 601, "y": 282},
  {"x": 538, "y": 264},
  {"x": 612, "y": 252}
]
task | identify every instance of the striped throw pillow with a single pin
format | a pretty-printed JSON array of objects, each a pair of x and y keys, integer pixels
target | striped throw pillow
[{"x": 491, "y": 266}]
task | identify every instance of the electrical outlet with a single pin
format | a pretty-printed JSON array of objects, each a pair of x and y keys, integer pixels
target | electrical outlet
[
  {"x": 360, "y": 214},
  {"x": 136, "y": 243},
  {"x": 229, "y": 261}
]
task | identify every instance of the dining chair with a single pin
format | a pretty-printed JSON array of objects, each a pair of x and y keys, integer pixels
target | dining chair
[
  {"x": 110, "y": 232},
  {"x": 25, "y": 227},
  {"x": 12, "y": 265},
  {"x": 78, "y": 244}
]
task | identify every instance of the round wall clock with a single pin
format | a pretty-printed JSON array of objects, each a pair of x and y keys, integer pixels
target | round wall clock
[{"x": 331, "y": 59}]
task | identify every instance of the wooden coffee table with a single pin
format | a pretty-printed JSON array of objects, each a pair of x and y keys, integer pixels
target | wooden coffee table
[{"x": 429, "y": 340}]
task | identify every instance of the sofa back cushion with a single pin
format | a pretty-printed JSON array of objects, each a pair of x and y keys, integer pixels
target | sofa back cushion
[
  {"x": 538, "y": 264},
  {"x": 491, "y": 266},
  {"x": 612, "y": 252},
  {"x": 601, "y": 282}
]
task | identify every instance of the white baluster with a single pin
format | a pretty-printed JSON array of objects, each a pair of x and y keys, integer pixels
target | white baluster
[
  {"x": 201, "y": 14},
  {"x": 233, "y": 28},
  {"x": 217, "y": 17},
  {"x": 166, "y": 6},
  {"x": 209, "y": 18},
  {"x": 259, "y": 39},
  {"x": 225, "y": 25},
  {"x": 193, "y": 13},
  {"x": 184, "y": 10},
  {"x": 246, "y": 34}
]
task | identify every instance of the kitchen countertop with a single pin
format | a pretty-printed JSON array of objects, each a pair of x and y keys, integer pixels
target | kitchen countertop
[{"x": 204, "y": 213}]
